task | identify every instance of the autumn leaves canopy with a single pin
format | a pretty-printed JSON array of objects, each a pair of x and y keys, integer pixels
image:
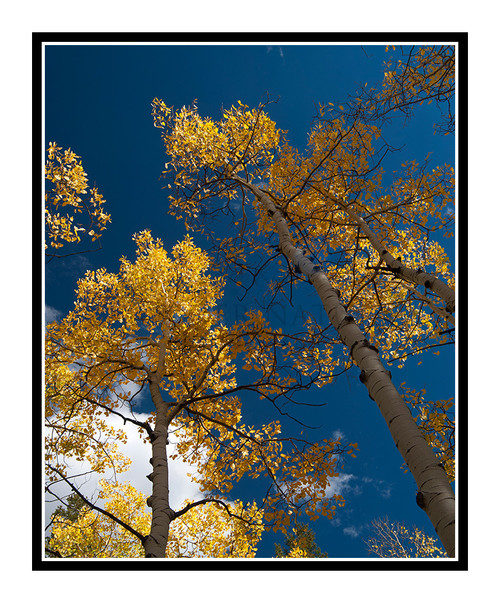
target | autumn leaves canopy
[{"x": 155, "y": 325}]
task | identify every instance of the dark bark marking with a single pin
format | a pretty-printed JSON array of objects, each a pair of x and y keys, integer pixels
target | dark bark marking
[
  {"x": 346, "y": 320},
  {"x": 420, "y": 500},
  {"x": 356, "y": 343}
]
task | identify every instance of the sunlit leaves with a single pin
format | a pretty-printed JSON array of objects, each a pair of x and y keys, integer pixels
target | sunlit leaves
[
  {"x": 323, "y": 194},
  {"x": 208, "y": 531},
  {"x": 120, "y": 319},
  {"x": 422, "y": 74},
  {"x": 299, "y": 472},
  {"x": 157, "y": 316},
  {"x": 94, "y": 535},
  {"x": 414, "y": 75},
  {"x": 244, "y": 139},
  {"x": 203, "y": 531},
  {"x": 112, "y": 339},
  {"x": 395, "y": 540},
  {"x": 76, "y": 430},
  {"x": 339, "y": 172},
  {"x": 71, "y": 210},
  {"x": 436, "y": 420}
]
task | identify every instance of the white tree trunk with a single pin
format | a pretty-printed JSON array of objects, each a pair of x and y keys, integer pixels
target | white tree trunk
[
  {"x": 162, "y": 514},
  {"x": 435, "y": 495}
]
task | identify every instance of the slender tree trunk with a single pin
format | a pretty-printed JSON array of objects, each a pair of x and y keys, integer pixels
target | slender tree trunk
[
  {"x": 435, "y": 495},
  {"x": 162, "y": 514}
]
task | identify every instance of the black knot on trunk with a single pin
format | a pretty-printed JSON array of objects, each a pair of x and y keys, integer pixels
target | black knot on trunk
[
  {"x": 346, "y": 320},
  {"x": 366, "y": 344},
  {"x": 420, "y": 500},
  {"x": 356, "y": 343}
]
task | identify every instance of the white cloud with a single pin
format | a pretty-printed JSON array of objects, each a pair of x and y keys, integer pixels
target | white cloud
[
  {"x": 133, "y": 391},
  {"x": 340, "y": 484},
  {"x": 385, "y": 492},
  {"x": 338, "y": 435},
  {"x": 351, "y": 531},
  {"x": 51, "y": 314},
  {"x": 180, "y": 485}
]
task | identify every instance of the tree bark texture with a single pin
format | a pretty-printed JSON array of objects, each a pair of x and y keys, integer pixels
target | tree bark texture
[
  {"x": 156, "y": 542},
  {"x": 435, "y": 494}
]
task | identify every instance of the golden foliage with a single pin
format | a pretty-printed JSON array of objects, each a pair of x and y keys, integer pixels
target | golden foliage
[
  {"x": 338, "y": 176},
  {"x": 436, "y": 420},
  {"x": 203, "y": 531},
  {"x": 395, "y": 540},
  {"x": 422, "y": 74},
  {"x": 70, "y": 190},
  {"x": 157, "y": 316}
]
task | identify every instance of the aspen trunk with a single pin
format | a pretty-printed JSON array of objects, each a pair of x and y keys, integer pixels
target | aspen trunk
[
  {"x": 156, "y": 542},
  {"x": 435, "y": 494}
]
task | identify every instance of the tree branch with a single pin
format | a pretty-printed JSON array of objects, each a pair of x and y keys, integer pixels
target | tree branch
[
  {"x": 99, "y": 509},
  {"x": 210, "y": 500}
]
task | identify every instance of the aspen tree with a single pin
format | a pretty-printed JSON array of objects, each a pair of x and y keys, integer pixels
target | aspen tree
[
  {"x": 154, "y": 327},
  {"x": 319, "y": 203}
]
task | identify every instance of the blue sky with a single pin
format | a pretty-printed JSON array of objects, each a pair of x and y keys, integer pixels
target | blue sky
[{"x": 97, "y": 101}]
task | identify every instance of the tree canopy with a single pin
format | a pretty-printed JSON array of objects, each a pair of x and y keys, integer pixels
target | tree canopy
[
  {"x": 369, "y": 256},
  {"x": 332, "y": 203},
  {"x": 155, "y": 325}
]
